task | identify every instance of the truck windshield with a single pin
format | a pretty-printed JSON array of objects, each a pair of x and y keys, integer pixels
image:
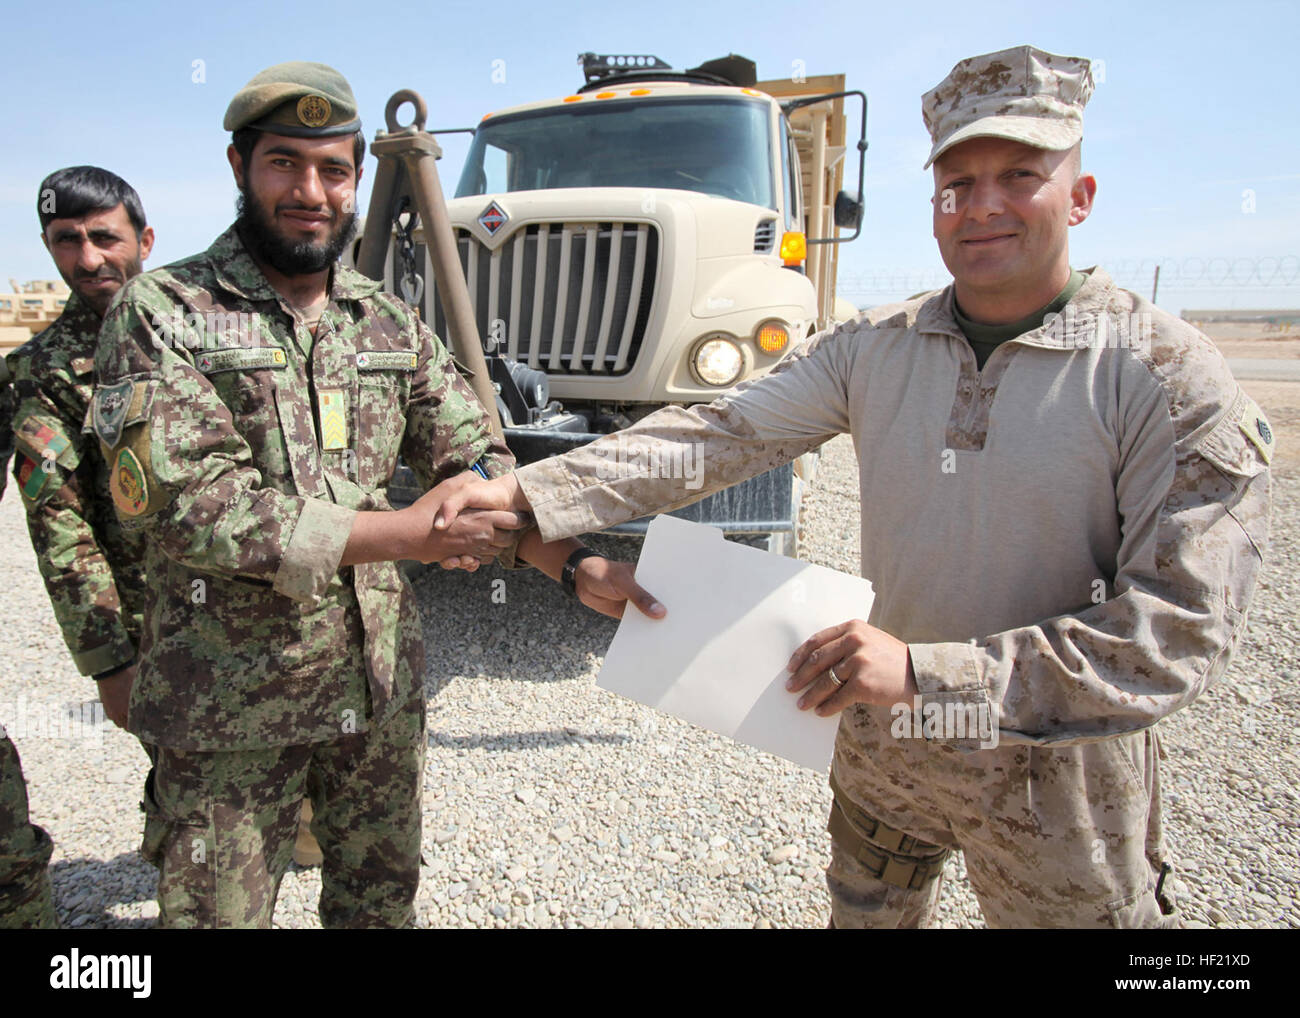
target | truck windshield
[{"x": 714, "y": 146}]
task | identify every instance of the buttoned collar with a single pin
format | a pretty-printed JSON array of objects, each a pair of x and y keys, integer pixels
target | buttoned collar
[{"x": 236, "y": 271}]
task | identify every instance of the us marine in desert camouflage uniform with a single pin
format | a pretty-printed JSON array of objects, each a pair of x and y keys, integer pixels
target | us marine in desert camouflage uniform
[{"x": 1064, "y": 510}]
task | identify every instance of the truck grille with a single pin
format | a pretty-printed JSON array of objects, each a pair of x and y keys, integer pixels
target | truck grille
[
  {"x": 764, "y": 236},
  {"x": 566, "y": 298}
]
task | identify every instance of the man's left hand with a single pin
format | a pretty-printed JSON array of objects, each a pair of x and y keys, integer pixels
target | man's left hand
[
  {"x": 607, "y": 586},
  {"x": 871, "y": 666}
]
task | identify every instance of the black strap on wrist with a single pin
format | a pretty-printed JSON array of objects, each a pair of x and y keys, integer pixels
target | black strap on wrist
[
  {"x": 569, "y": 574},
  {"x": 113, "y": 671}
]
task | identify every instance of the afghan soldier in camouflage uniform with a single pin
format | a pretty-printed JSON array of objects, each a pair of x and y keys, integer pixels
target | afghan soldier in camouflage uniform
[
  {"x": 26, "y": 899},
  {"x": 1065, "y": 507},
  {"x": 253, "y": 401},
  {"x": 94, "y": 226}
]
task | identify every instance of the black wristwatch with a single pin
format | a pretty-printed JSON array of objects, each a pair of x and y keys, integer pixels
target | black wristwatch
[{"x": 569, "y": 574}]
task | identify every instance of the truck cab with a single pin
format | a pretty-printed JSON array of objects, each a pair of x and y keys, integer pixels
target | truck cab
[{"x": 643, "y": 242}]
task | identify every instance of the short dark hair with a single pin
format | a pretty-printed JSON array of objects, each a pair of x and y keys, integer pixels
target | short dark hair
[
  {"x": 75, "y": 191},
  {"x": 245, "y": 140}
]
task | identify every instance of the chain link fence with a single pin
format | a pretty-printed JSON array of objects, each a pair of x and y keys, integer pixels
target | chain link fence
[{"x": 1267, "y": 277}]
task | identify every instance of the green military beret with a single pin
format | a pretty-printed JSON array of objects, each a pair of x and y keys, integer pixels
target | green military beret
[{"x": 298, "y": 98}]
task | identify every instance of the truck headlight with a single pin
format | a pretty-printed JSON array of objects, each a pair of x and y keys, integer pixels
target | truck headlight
[
  {"x": 718, "y": 361},
  {"x": 772, "y": 337}
]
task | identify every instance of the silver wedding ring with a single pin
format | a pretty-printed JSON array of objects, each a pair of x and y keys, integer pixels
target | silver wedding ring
[{"x": 835, "y": 678}]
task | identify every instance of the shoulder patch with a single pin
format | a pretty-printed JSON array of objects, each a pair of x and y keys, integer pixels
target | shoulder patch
[
  {"x": 108, "y": 412},
  {"x": 128, "y": 484},
  {"x": 1253, "y": 422}
]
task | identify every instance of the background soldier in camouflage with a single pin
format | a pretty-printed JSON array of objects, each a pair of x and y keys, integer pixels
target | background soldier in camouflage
[
  {"x": 1065, "y": 506},
  {"x": 252, "y": 404},
  {"x": 94, "y": 227},
  {"x": 26, "y": 900}
]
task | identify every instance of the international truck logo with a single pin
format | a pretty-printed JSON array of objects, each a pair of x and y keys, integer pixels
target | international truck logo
[{"x": 492, "y": 219}]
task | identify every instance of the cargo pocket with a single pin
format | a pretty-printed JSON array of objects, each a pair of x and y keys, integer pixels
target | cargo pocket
[
  {"x": 1140, "y": 911},
  {"x": 160, "y": 825}
]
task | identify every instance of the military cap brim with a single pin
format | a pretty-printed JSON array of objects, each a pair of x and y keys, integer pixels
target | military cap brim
[{"x": 1045, "y": 134}]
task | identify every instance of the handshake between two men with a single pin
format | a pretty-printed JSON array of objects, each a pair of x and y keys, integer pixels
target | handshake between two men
[{"x": 466, "y": 521}]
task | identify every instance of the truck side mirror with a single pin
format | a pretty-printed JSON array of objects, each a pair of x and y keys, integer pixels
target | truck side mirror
[{"x": 848, "y": 210}]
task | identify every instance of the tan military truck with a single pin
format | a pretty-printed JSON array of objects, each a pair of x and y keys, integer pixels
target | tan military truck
[{"x": 656, "y": 237}]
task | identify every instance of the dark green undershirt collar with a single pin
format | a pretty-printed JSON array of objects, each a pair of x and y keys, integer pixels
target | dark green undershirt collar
[{"x": 984, "y": 339}]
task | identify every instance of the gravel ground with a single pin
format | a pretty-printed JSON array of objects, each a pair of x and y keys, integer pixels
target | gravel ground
[{"x": 549, "y": 802}]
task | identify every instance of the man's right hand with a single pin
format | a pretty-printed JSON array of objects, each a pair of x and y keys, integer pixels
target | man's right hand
[
  {"x": 472, "y": 535},
  {"x": 464, "y": 492},
  {"x": 409, "y": 533},
  {"x": 115, "y": 695}
]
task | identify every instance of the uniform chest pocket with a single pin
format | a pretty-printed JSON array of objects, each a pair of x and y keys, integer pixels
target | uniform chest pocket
[
  {"x": 244, "y": 378},
  {"x": 382, "y": 390}
]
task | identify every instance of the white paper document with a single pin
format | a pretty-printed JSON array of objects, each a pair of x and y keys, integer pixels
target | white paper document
[{"x": 735, "y": 615}]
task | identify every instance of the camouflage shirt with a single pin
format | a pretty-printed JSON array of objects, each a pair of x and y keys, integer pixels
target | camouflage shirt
[
  {"x": 93, "y": 567},
  {"x": 243, "y": 447},
  {"x": 1070, "y": 537},
  {"x": 6, "y": 416}
]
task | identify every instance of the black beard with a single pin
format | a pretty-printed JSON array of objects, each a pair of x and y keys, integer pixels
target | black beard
[{"x": 288, "y": 258}]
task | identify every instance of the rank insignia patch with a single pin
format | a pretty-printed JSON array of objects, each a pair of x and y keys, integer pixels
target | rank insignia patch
[
  {"x": 128, "y": 484},
  {"x": 333, "y": 419},
  {"x": 1255, "y": 425}
]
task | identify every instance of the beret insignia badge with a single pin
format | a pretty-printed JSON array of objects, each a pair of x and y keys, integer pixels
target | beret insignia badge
[{"x": 314, "y": 110}]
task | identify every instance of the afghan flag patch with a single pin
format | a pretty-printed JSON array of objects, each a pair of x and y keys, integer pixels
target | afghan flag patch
[{"x": 31, "y": 476}]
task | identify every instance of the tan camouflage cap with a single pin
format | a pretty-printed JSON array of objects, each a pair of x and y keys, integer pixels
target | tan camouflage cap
[
  {"x": 1022, "y": 93},
  {"x": 298, "y": 98}
]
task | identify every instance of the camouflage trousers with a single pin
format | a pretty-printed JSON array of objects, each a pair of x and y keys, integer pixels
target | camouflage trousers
[
  {"x": 221, "y": 827},
  {"x": 1064, "y": 836},
  {"x": 26, "y": 901}
]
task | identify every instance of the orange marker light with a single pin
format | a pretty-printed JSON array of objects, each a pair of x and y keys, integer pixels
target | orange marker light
[
  {"x": 794, "y": 248},
  {"x": 772, "y": 337},
  {"x": 573, "y": 98},
  {"x": 606, "y": 95},
  {"x": 639, "y": 91}
]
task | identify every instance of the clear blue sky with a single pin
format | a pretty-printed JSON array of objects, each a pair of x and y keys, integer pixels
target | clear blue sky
[{"x": 1196, "y": 108}]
